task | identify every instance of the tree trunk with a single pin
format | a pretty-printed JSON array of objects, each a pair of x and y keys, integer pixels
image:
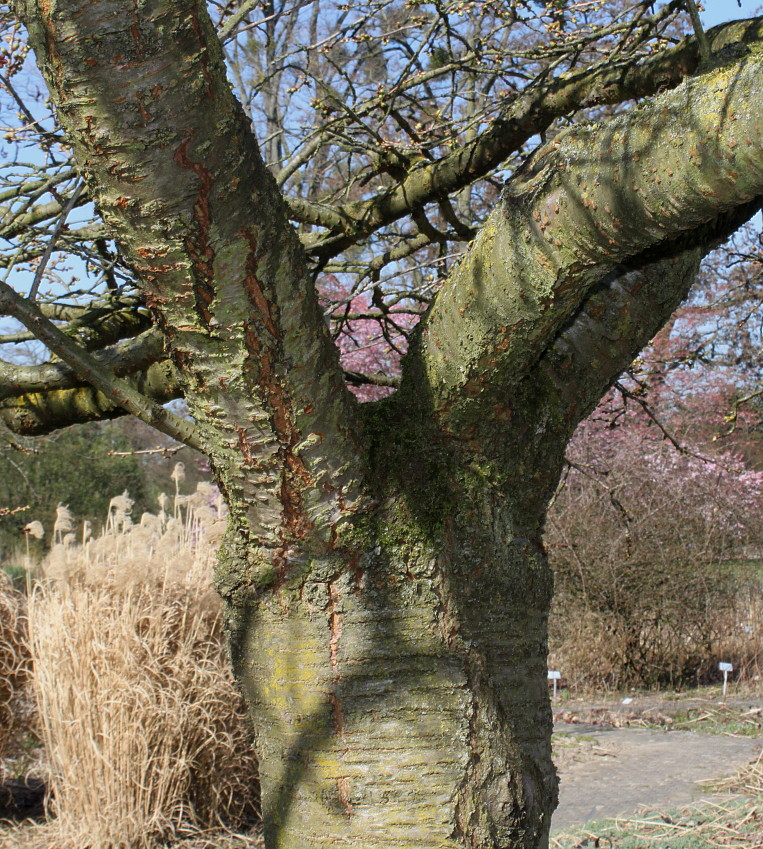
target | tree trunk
[
  {"x": 384, "y": 575},
  {"x": 398, "y": 683}
]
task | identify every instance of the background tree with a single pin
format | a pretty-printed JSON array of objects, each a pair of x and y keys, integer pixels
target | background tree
[
  {"x": 84, "y": 468},
  {"x": 386, "y": 584}
]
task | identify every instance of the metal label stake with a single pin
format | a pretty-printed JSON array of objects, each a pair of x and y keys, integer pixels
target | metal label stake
[
  {"x": 554, "y": 676},
  {"x": 725, "y": 669}
]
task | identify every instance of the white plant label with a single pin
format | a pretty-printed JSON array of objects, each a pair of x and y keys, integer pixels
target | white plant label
[{"x": 554, "y": 675}]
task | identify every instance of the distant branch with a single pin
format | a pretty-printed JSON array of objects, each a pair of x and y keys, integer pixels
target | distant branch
[
  {"x": 357, "y": 378},
  {"x": 90, "y": 370},
  {"x": 127, "y": 357}
]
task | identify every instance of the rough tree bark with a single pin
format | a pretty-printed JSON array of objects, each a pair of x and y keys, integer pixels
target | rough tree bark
[{"x": 386, "y": 584}]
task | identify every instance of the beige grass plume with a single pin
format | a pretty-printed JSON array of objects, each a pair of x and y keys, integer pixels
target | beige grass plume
[
  {"x": 64, "y": 522},
  {"x": 134, "y": 688}
]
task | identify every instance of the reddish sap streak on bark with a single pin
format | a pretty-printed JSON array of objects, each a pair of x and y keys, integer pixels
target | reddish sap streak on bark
[
  {"x": 335, "y": 627},
  {"x": 155, "y": 300},
  {"x": 144, "y": 114},
  {"x": 342, "y": 782},
  {"x": 198, "y": 246},
  {"x": 119, "y": 170},
  {"x": 296, "y": 524},
  {"x": 448, "y": 619},
  {"x": 135, "y": 32},
  {"x": 181, "y": 359},
  {"x": 640, "y": 282},
  {"x": 243, "y": 444},
  {"x": 50, "y": 44},
  {"x": 343, "y": 786},
  {"x": 204, "y": 58},
  {"x": 95, "y": 146},
  {"x": 264, "y": 353},
  {"x": 295, "y": 521},
  {"x": 252, "y": 284},
  {"x": 354, "y": 567}
]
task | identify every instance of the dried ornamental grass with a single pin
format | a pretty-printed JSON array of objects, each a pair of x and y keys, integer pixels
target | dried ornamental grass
[
  {"x": 733, "y": 823},
  {"x": 14, "y": 657},
  {"x": 145, "y": 730},
  {"x": 747, "y": 780}
]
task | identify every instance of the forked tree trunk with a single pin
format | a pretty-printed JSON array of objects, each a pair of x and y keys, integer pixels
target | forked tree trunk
[
  {"x": 386, "y": 583},
  {"x": 398, "y": 683}
]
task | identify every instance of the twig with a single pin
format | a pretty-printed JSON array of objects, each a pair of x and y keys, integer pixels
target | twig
[
  {"x": 167, "y": 451},
  {"x": 54, "y": 238},
  {"x": 11, "y": 511},
  {"x": 704, "y": 44}
]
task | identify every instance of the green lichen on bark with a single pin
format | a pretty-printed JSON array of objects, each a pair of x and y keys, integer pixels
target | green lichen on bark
[{"x": 373, "y": 687}]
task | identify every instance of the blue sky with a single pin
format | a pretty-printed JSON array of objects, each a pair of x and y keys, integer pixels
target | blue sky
[{"x": 718, "y": 11}]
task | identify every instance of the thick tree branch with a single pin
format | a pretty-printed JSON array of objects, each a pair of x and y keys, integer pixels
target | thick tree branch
[
  {"x": 97, "y": 328},
  {"x": 38, "y": 413},
  {"x": 596, "y": 197},
  {"x": 531, "y": 113},
  {"x": 622, "y": 315},
  {"x": 94, "y": 312},
  {"x": 142, "y": 94},
  {"x": 92, "y": 326},
  {"x": 135, "y": 354}
]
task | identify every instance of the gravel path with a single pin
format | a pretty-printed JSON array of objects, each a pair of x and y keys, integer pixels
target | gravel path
[{"x": 607, "y": 772}]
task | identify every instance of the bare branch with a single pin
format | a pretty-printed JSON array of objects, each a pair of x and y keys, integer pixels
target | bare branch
[
  {"x": 68, "y": 206},
  {"x": 118, "y": 391},
  {"x": 136, "y": 354}
]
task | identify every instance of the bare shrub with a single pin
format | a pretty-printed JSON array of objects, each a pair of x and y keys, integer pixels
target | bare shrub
[
  {"x": 146, "y": 732},
  {"x": 14, "y": 660},
  {"x": 651, "y": 551}
]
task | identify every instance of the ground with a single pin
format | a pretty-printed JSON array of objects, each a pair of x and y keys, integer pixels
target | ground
[
  {"x": 654, "y": 752},
  {"x": 614, "y": 760}
]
